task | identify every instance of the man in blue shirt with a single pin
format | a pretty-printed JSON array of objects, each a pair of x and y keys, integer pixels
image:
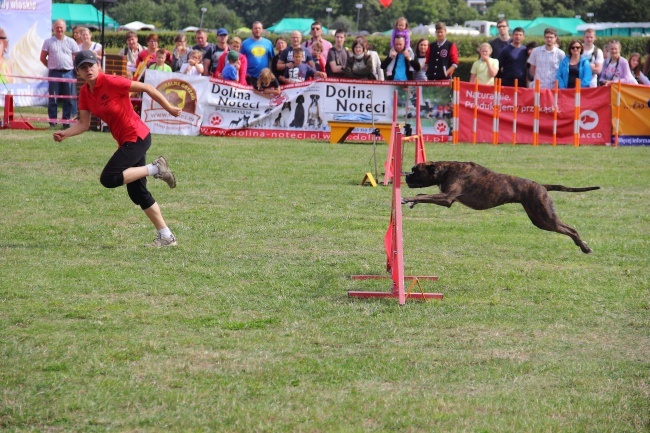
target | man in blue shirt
[
  {"x": 400, "y": 64},
  {"x": 513, "y": 60},
  {"x": 258, "y": 52}
]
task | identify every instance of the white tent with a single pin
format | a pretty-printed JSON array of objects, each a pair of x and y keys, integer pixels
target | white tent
[
  {"x": 430, "y": 30},
  {"x": 137, "y": 25}
]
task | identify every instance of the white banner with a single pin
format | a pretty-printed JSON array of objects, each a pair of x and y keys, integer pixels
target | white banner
[{"x": 300, "y": 111}]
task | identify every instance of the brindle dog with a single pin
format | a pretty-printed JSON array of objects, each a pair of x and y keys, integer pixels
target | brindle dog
[{"x": 479, "y": 188}]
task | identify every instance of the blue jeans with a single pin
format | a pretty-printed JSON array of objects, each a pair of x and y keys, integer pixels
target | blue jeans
[{"x": 63, "y": 89}]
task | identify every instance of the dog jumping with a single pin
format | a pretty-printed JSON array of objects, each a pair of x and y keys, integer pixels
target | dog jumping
[{"x": 480, "y": 188}]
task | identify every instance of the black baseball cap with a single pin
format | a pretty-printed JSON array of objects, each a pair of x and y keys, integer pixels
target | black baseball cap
[{"x": 84, "y": 56}]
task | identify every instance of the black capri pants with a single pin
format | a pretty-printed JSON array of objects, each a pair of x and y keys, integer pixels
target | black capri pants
[{"x": 126, "y": 156}]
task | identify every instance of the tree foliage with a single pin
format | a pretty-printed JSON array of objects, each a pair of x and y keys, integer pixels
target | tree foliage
[{"x": 177, "y": 14}]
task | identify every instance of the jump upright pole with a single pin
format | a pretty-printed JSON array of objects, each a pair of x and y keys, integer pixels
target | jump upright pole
[{"x": 394, "y": 245}]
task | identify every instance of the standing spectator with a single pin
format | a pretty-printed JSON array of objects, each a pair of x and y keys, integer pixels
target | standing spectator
[
  {"x": 400, "y": 64},
  {"x": 148, "y": 56},
  {"x": 359, "y": 66},
  {"x": 181, "y": 53},
  {"x": 442, "y": 58},
  {"x": 286, "y": 58},
  {"x": 194, "y": 65},
  {"x": 337, "y": 57},
  {"x": 5, "y": 69},
  {"x": 616, "y": 67},
  {"x": 421, "y": 55},
  {"x": 280, "y": 45},
  {"x": 513, "y": 60},
  {"x": 378, "y": 72},
  {"x": 485, "y": 68},
  {"x": 501, "y": 41},
  {"x": 401, "y": 28},
  {"x": 131, "y": 51},
  {"x": 231, "y": 70},
  {"x": 258, "y": 52},
  {"x": 605, "y": 53},
  {"x": 160, "y": 64},
  {"x": 545, "y": 61},
  {"x": 214, "y": 52},
  {"x": 319, "y": 58},
  {"x": 57, "y": 55},
  {"x": 574, "y": 67},
  {"x": 235, "y": 45},
  {"x": 593, "y": 54},
  {"x": 297, "y": 70},
  {"x": 76, "y": 34},
  {"x": 529, "y": 49},
  {"x": 635, "y": 67},
  {"x": 88, "y": 44},
  {"x": 201, "y": 39},
  {"x": 127, "y": 165},
  {"x": 317, "y": 36}
]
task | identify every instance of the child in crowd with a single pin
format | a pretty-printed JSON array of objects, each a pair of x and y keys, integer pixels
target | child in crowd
[
  {"x": 194, "y": 65},
  {"x": 267, "y": 84},
  {"x": 160, "y": 65},
  {"x": 301, "y": 71},
  {"x": 319, "y": 58},
  {"x": 231, "y": 70},
  {"x": 401, "y": 29}
]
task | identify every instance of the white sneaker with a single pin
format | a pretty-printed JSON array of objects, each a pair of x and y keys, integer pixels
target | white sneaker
[{"x": 160, "y": 242}]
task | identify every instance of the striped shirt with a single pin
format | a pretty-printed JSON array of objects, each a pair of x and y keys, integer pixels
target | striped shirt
[{"x": 59, "y": 52}]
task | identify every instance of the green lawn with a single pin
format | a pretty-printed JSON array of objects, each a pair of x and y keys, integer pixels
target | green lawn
[{"x": 246, "y": 325}]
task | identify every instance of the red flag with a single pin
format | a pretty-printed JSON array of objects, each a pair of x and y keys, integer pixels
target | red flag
[{"x": 385, "y": 3}]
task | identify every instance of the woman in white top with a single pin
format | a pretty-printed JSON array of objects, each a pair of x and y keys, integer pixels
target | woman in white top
[
  {"x": 88, "y": 44},
  {"x": 485, "y": 68},
  {"x": 421, "y": 55}
]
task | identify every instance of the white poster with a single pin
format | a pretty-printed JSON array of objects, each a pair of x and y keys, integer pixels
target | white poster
[{"x": 26, "y": 24}]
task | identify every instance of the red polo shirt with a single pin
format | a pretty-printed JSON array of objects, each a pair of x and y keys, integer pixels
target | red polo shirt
[{"x": 110, "y": 101}]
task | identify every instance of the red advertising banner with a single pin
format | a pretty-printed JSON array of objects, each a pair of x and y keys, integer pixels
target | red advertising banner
[{"x": 594, "y": 120}]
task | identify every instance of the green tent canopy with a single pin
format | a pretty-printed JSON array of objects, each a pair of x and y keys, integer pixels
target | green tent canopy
[
  {"x": 80, "y": 14},
  {"x": 287, "y": 25}
]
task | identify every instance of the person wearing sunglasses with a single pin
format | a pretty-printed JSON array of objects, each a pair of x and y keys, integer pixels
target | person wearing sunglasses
[{"x": 574, "y": 67}]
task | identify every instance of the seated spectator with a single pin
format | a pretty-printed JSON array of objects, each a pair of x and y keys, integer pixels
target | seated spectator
[
  {"x": 319, "y": 58},
  {"x": 297, "y": 71},
  {"x": 359, "y": 66},
  {"x": 160, "y": 65},
  {"x": 280, "y": 45},
  {"x": 131, "y": 51},
  {"x": 235, "y": 44},
  {"x": 267, "y": 85},
  {"x": 194, "y": 65},
  {"x": 485, "y": 68},
  {"x": 231, "y": 70},
  {"x": 88, "y": 44},
  {"x": 337, "y": 57},
  {"x": 148, "y": 56},
  {"x": 400, "y": 64},
  {"x": 181, "y": 53}
]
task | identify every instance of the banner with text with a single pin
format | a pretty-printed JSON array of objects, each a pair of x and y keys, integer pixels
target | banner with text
[
  {"x": 220, "y": 108},
  {"x": 595, "y": 115},
  {"x": 635, "y": 115}
]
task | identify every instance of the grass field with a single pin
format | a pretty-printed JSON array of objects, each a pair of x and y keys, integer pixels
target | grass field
[{"x": 246, "y": 325}]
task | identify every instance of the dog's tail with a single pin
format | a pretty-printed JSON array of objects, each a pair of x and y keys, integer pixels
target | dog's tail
[{"x": 567, "y": 189}]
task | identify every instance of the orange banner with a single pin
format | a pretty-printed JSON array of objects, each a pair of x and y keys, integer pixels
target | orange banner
[{"x": 634, "y": 122}]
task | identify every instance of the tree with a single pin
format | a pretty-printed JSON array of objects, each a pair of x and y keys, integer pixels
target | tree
[{"x": 508, "y": 10}]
